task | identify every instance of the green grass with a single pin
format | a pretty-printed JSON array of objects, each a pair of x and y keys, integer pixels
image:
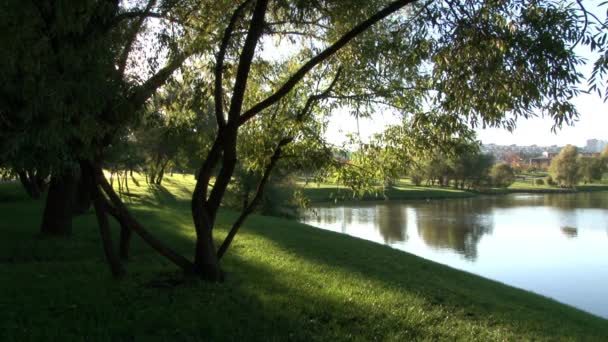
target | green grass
[
  {"x": 286, "y": 281},
  {"x": 403, "y": 190}
]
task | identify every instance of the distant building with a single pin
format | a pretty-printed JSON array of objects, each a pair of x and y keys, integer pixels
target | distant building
[
  {"x": 595, "y": 145},
  {"x": 542, "y": 161}
]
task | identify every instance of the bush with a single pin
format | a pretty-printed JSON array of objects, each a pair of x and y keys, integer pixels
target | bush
[
  {"x": 502, "y": 175},
  {"x": 539, "y": 181},
  {"x": 549, "y": 180}
]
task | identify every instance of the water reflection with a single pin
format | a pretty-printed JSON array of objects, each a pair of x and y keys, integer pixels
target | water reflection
[
  {"x": 441, "y": 225},
  {"x": 556, "y": 245},
  {"x": 392, "y": 223},
  {"x": 570, "y": 232}
]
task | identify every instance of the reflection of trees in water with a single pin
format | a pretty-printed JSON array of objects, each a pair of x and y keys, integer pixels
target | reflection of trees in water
[
  {"x": 457, "y": 225},
  {"x": 569, "y": 232},
  {"x": 391, "y": 221},
  {"x": 582, "y": 200}
]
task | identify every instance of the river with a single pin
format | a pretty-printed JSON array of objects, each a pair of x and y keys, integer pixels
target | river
[{"x": 555, "y": 245}]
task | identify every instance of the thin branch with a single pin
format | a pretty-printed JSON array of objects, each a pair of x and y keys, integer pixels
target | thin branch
[
  {"x": 582, "y": 7},
  {"x": 132, "y": 35},
  {"x": 314, "y": 98},
  {"x": 303, "y": 22},
  {"x": 294, "y": 33},
  {"x": 321, "y": 57},
  {"x": 256, "y": 199},
  {"x": 249, "y": 208}
]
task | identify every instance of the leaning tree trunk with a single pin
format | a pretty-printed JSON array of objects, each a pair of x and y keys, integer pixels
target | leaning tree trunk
[{"x": 57, "y": 217}]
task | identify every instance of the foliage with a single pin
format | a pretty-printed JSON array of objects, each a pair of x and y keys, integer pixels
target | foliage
[
  {"x": 466, "y": 169},
  {"x": 590, "y": 168},
  {"x": 604, "y": 156},
  {"x": 502, "y": 175},
  {"x": 564, "y": 167},
  {"x": 549, "y": 180},
  {"x": 539, "y": 181}
]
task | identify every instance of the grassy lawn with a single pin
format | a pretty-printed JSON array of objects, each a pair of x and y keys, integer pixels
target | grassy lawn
[
  {"x": 286, "y": 281},
  {"x": 403, "y": 190}
]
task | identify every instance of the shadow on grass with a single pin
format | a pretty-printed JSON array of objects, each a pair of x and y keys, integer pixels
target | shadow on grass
[
  {"x": 460, "y": 293},
  {"x": 285, "y": 282}
]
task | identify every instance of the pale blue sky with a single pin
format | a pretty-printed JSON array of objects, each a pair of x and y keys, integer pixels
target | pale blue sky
[{"x": 592, "y": 123}]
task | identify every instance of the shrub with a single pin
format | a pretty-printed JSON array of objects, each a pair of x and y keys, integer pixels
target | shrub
[
  {"x": 502, "y": 175},
  {"x": 539, "y": 181},
  {"x": 549, "y": 180}
]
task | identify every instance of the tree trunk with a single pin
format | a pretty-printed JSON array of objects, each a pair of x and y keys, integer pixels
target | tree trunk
[
  {"x": 106, "y": 235},
  {"x": 206, "y": 262},
  {"x": 125, "y": 231},
  {"x": 82, "y": 197},
  {"x": 129, "y": 222},
  {"x": 57, "y": 217},
  {"x": 125, "y": 240},
  {"x": 30, "y": 184},
  {"x": 133, "y": 178}
]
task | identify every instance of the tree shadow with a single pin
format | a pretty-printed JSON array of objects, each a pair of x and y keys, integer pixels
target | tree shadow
[
  {"x": 286, "y": 281},
  {"x": 471, "y": 297}
]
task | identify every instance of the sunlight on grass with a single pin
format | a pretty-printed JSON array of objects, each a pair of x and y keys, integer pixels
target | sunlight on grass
[{"x": 285, "y": 281}]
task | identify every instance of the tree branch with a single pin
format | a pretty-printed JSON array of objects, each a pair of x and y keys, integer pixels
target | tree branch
[
  {"x": 132, "y": 35},
  {"x": 256, "y": 199},
  {"x": 143, "y": 92},
  {"x": 242, "y": 75},
  {"x": 219, "y": 66},
  {"x": 312, "y": 99},
  {"x": 321, "y": 57},
  {"x": 122, "y": 210}
]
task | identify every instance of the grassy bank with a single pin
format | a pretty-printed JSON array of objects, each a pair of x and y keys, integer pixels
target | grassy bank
[
  {"x": 286, "y": 281},
  {"x": 404, "y": 190},
  {"x": 326, "y": 192}
]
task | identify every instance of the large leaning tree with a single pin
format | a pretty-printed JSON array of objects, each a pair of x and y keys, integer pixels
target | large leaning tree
[{"x": 445, "y": 65}]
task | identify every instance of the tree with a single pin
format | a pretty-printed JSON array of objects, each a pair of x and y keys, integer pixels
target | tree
[
  {"x": 434, "y": 62},
  {"x": 590, "y": 168},
  {"x": 564, "y": 167},
  {"x": 67, "y": 79},
  {"x": 604, "y": 156},
  {"x": 502, "y": 175}
]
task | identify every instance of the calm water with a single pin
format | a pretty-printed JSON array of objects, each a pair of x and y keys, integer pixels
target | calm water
[{"x": 555, "y": 245}]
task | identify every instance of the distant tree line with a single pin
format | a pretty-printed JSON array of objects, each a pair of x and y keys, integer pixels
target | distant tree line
[
  {"x": 468, "y": 170},
  {"x": 569, "y": 168}
]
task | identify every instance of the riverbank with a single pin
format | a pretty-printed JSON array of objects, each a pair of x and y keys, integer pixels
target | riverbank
[
  {"x": 331, "y": 193},
  {"x": 286, "y": 281}
]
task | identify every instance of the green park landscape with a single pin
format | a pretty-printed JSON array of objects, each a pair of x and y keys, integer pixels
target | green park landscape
[
  {"x": 284, "y": 280},
  {"x": 158, "y": 158}
]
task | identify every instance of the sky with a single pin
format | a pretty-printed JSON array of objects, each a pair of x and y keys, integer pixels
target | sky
[{"x": 592, "y": 122}]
